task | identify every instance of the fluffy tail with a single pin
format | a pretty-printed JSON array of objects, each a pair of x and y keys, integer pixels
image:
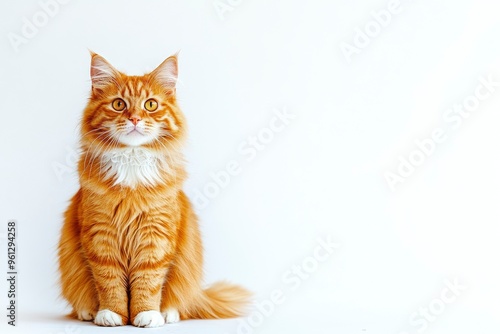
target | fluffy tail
[{"x": 221, "y": 300}]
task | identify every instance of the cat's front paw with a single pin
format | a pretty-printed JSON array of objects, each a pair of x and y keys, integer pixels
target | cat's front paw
[
  {"x": 171, "y": 315},
  {"x": 108, "y": 318},
  {"x": 149, "y": 319}
]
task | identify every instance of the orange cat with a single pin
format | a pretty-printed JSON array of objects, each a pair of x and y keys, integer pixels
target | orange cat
[{"x": 130, "y": 249}]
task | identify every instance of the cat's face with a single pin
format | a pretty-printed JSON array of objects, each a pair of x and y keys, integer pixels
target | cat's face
[{"x": 132, "y": 111}]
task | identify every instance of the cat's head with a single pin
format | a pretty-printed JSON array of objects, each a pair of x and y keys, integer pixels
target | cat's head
[{"x": 132, "y": 111}]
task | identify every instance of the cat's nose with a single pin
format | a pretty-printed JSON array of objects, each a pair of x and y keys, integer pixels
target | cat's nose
[{"x": 135, "y": 119}]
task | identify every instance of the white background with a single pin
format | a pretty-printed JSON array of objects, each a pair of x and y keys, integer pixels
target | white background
[{"x": 323, "y": 175}]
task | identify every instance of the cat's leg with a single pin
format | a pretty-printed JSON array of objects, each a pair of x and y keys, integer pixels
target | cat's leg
[
  {"x": 183, "y": 279},
  {"x": 76, "y": 278},
  {"x": 148, "y": 268},
  {"x": 182, "y": 295},
  {"x": 100, "y": 245}
]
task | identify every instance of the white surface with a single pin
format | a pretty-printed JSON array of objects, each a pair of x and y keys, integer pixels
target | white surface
[{"x": 321, "y": 175}]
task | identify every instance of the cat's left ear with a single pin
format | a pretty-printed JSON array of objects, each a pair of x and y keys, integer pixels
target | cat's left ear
[{"x": 166, "y": 73}]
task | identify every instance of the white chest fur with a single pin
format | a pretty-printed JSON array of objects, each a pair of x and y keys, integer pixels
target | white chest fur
[{"x": 133, "y": 166}]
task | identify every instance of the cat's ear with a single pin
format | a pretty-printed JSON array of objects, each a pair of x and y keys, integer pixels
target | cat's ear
[
  {"x": 166, "y": 73},
  {"x": 101, "y": 72}
]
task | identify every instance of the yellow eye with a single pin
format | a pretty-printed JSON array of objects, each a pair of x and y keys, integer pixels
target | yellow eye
[
  {"x": 151, "y": 105},
  {"x": 118, "y": 104}
]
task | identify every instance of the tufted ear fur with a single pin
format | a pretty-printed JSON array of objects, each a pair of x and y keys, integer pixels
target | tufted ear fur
[
  {"x": 166, "y": 73},
  {"x": 102, "y": 73}
]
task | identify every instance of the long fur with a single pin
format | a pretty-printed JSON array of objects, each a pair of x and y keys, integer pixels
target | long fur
[{"x": 130, "y": 243}]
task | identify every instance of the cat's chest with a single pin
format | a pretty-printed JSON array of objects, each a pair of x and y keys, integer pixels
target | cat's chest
[{"x": 132, "y": 167}]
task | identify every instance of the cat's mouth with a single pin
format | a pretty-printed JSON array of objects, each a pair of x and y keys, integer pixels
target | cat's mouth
[
  {"x": 135, "y": 131},
  {"x": 135, "y": 135}
]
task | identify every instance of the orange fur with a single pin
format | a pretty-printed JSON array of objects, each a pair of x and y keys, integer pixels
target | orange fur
[{"x": 131, "y": 245}]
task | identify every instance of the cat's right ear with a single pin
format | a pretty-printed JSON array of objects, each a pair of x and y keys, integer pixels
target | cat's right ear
[{"x": 101, "y": 72}]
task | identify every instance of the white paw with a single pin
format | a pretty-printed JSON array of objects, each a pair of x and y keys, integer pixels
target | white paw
[
  {"x": 108, "y": 318},
  {"x": 85, "y": 315},
  {"x": 149, "y": 319},
  {"x": 171, "y": 315}
]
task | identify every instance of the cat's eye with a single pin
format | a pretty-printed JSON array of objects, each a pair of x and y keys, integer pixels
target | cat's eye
[
  {"x": 151, "y": 105},
  {"x": 118, "y": 104}
]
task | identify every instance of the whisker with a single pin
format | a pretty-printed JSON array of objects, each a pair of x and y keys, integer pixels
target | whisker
[{"x": 90, "y": 147}]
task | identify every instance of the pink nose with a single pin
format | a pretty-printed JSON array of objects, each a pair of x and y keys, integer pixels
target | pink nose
[{"x": 135, "y": 119}]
